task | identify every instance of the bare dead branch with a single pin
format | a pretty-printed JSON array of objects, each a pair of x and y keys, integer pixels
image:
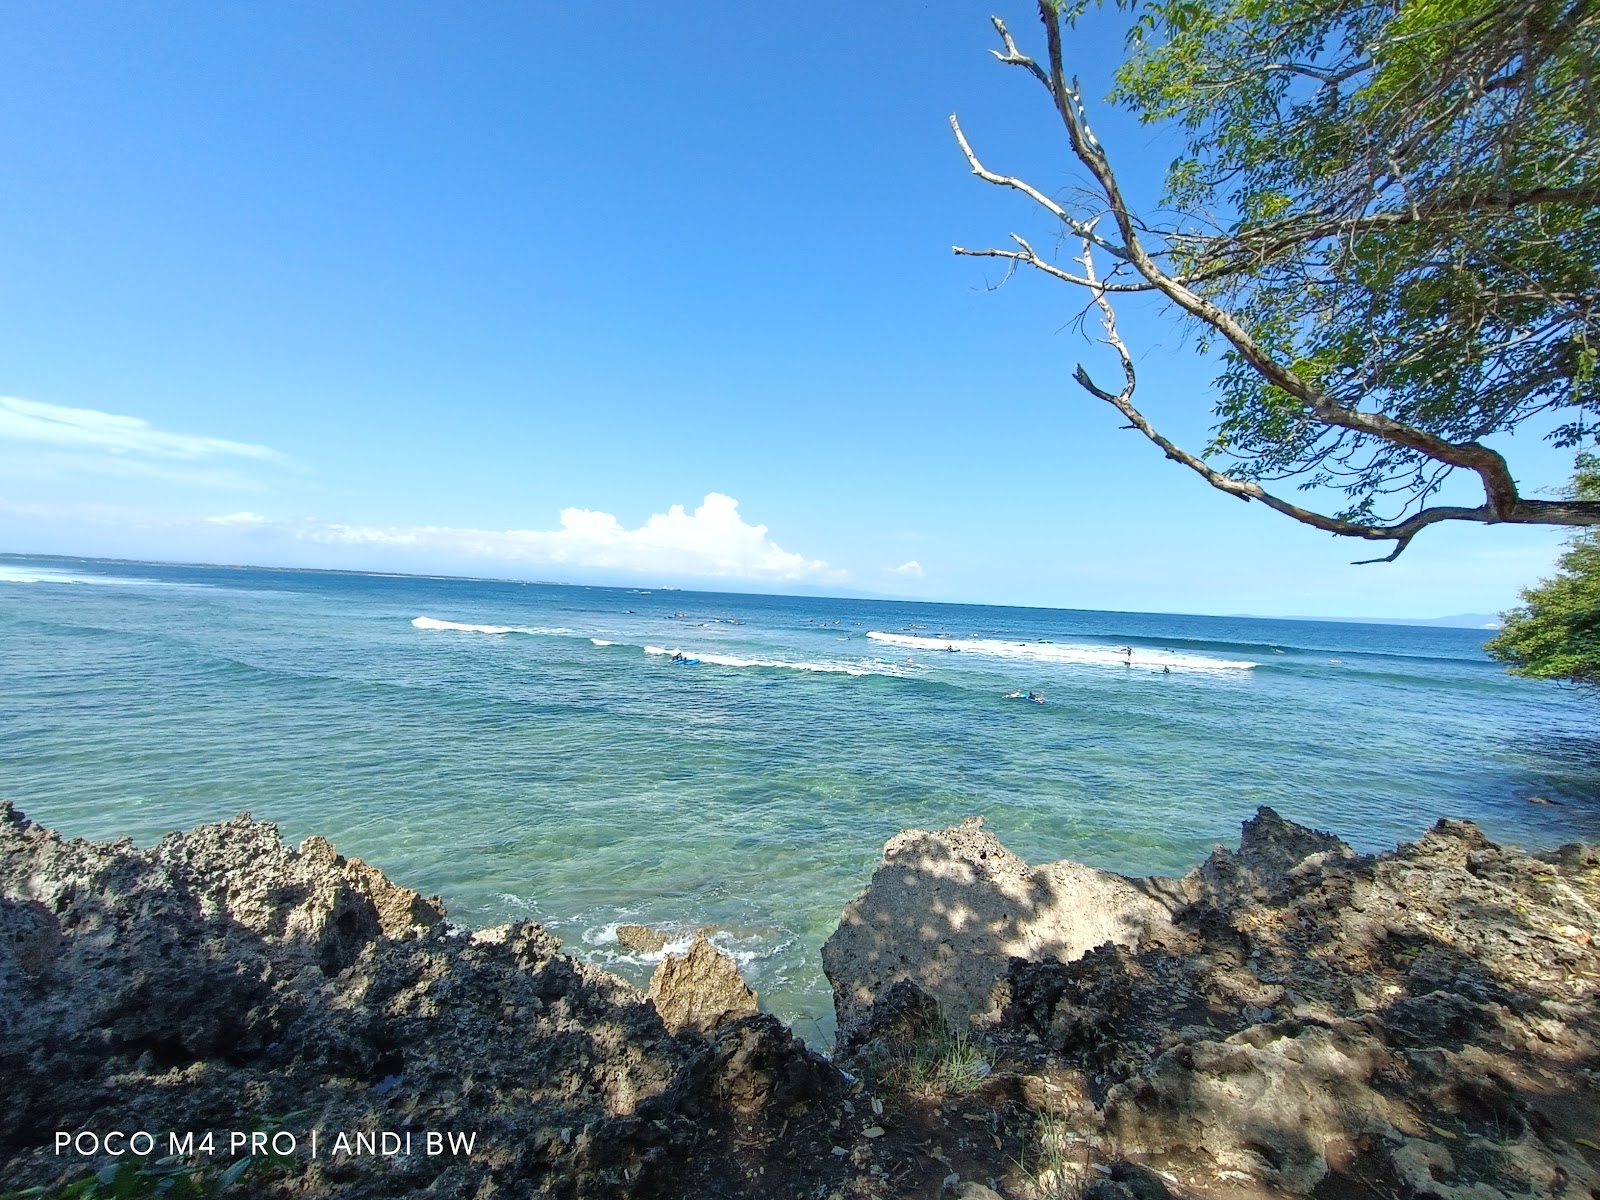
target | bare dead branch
[
  {"x": 1216, "y": 256},
  {"x": 1078, "y": 227},
  {"x": 1499, "y": 487},
  {"x": 1014, "y": 57},
  {"x": 1028, "y": 256},
  {"x": 1531, "y": 512}
]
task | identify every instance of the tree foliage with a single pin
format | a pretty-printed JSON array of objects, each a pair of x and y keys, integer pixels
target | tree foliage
[
  {"x": 1387, "y": 212},
  {"x": 1555, "y": 633}
]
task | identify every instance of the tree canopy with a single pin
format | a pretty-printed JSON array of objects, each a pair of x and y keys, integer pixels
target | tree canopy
[
  {"x": 1555, "y": 633},
  {"x": 1385, "y": 217}
]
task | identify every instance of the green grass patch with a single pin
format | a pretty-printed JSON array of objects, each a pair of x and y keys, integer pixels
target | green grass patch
[{"x": 938, "y": 1064}]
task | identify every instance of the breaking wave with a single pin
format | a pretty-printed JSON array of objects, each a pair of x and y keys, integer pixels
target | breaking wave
[
  {"x": 434, "y": 623},
  {"x": 832, "y": 668},
  {"x": 11, "y": 574},
  {"x": 1108, "y": 656}
]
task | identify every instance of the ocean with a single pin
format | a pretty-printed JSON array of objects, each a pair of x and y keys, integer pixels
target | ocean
[{"x": 531, "y": 751}]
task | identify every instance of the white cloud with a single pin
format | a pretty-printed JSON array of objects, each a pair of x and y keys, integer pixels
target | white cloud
[
  {"x": 713, "y": 541},
  {"x": 32, "y": 463},
  {"x": 88, "y": 428},
  {"x": 911, "y": 570}
]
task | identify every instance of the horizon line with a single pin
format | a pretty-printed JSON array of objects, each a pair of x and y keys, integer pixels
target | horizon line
[{"x": 872, "y": 597}]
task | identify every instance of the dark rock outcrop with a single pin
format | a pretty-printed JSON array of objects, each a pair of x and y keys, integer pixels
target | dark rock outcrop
[
  {"x": 222, "y": 981},
  {"x": 1290, "y": 1018}
]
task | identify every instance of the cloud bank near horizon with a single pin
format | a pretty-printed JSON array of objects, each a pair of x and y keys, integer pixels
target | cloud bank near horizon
[{"x": 713, "y": 542}]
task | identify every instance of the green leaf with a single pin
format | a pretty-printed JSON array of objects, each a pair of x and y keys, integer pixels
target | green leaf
[{"x": 233, "y": 1174}]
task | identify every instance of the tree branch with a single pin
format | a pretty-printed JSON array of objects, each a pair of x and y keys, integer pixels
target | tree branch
[
  {"x": 1080, "y": 228},
  {"x": 1265, "y": 241},
  {"x": 1523, "y": 512},
  {"x": 1031, "y": 257},
  {"x": 1500, "y": 489},
  {"x": 1219, "y": 256}
]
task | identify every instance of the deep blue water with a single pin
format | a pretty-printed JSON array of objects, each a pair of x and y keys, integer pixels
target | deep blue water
[{"x": 540, "y": 773}]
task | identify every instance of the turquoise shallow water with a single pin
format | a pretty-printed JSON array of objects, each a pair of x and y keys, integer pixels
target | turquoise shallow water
[{"x": 538, "y": 772}]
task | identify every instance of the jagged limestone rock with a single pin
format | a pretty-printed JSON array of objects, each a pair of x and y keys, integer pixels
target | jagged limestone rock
[
  {"x": 1308, "y": 1021},
  {"x": 700, "y": 989},
  {"x": 947, "y": 911},
  {"x": 641, "y": 939}
]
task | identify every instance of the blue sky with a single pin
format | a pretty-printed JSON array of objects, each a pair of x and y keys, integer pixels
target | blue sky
[{"x": 602, "y": 294}]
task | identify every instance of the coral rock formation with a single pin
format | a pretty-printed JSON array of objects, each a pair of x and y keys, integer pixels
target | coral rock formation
[
  {"x": 947, "y": 911},
  {"x": 1308, "y": 1022},
  {"x": 1290, "y": 1018},
  {"x": 701, "y": 989},
  {"x": 641, "y": 938},
  {"x": 222, "y": 981}
]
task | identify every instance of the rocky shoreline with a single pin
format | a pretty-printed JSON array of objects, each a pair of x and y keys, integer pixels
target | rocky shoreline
[{"x": 1290, "y": 1018}]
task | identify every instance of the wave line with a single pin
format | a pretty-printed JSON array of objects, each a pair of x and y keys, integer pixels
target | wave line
[{"x": 1062, "y": 652}]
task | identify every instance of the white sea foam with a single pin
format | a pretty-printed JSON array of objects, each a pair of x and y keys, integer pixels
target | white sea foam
[
  {"x": 832, "y": 668},
  {"x": 434, "y": 623},
  {"x": 512, "y": 900},
  {"x": 17, "y": 574},
  {"x": 1057, "y": 652},
  {"x": 40, "y": 575},
  {"x": 431, "y": 623},
  {"x": 601, "y": 642},
  {"x": 604, "y": 947}
]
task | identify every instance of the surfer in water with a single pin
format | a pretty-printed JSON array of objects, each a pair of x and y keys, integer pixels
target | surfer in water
[
  {"x": 1018, "y": 694},
  {"x": 679, "y": 656},
  {"x": 1036, "y": 697}
]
